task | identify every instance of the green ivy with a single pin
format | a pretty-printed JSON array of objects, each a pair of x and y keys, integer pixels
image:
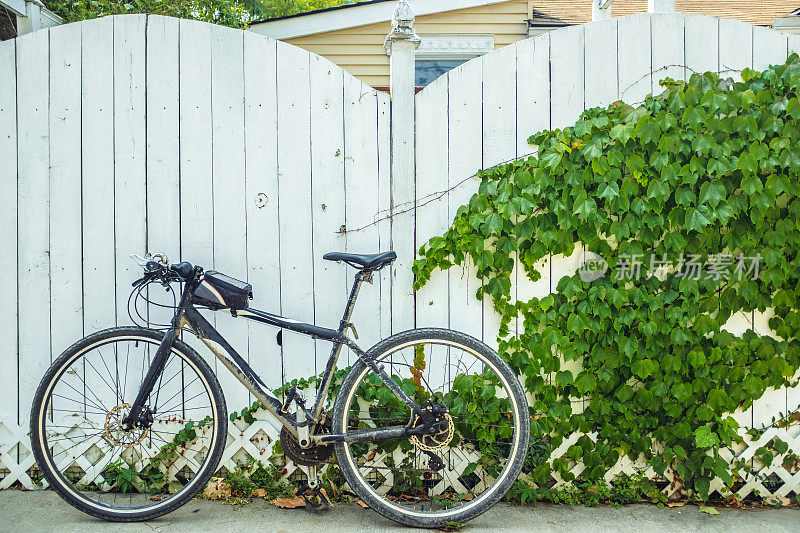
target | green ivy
[
  {"x": 234, "y": 13},
  {"x": 708, "y": 167}
]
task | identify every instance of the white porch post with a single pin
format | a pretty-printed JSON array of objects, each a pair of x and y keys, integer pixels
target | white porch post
[
  {"x": 32, "y": 20},
  {"x": 660, "y": 6},
  {"x": 401, "y": 44},
  {"x": 601, "y": 9}
]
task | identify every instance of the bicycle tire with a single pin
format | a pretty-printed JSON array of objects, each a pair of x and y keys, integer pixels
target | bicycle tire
[
  {"x": 64, "y": 488},
  {"x": 480, "y": 504}
]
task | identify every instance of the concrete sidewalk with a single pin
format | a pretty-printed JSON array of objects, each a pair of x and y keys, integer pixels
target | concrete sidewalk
[{"x": 45, "y": 511}]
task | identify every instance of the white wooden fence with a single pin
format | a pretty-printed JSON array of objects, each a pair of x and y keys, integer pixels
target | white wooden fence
[
  {"x": 218, "y": 146},
  {"x": 244, "y": 154}
]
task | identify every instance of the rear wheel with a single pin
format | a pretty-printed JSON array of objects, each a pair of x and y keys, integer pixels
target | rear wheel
[
  {"x": 480, "y": 441},
  {"x": 127, "y": 475}
]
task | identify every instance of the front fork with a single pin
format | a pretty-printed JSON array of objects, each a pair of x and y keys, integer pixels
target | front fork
[{"x": 138, "y": 415}]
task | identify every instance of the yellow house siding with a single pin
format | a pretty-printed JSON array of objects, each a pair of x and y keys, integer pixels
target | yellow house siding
[{"x": 360, "y": 50}]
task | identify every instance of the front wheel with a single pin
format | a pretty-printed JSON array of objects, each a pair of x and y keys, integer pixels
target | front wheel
[
  {"x": 123, "y": 474},
  {"x": 469, "y": 463}
]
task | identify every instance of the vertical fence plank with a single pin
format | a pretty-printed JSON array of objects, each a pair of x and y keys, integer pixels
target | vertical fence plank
[
  {"x": 735, "y": 48},
  {"x": 634, "y": 59},
  {"x": 9, "y": 353},
  {"x": 228, "y": 185},
  {"x": 33, "y": 159},
  {"x": 668, "y": 60},
  {"x": 97, "y": 141},
  {"x": 384, "y": 204},
  {"x": 701, "y": 43},
  {"x": 533, "y": 115},
  {"x": 465, "y": 153},
  {"x": 97, "y": 150},
  {"x": 66, "y": 298},
  {"x": 130, "y": 204},
  {"x": 499, "y": 145},
  {"x": 433, "y": 219},
  {"x": 294, "y": 187},
  {"x": 769, "y": 47},
  {"x": 566, "y": 76},
  {"x": 163, "y": 137},
  {"x": 196, "y": 205},
  {"x": 361, "y": 177},
  {"x": 261, "y": 179},
  {"x": 327, "y": 196},
  {"x": 533, "y": 90},
  {"x": 601, "y": 63},
  {"x": 567, "y": 71}
]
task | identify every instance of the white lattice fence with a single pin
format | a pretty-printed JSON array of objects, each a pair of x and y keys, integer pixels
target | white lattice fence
[{"x": 257, "y": 441}]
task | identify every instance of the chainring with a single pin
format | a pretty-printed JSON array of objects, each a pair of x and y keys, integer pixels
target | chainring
[{"x": 313, "y": 456}]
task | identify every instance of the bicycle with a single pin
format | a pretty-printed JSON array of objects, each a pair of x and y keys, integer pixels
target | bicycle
[{"x": 130, "y": 423}]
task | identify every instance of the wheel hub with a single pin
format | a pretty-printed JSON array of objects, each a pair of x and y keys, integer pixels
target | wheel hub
[{"x": 116, "y": 434}]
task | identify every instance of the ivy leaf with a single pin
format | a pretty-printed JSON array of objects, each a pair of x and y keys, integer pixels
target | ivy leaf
[
  {"x": 585, "y": 206},
  {"x": 585, "y": 382},
  {"x": 551, "y": 159},
  {"x": 684, "y": 196},
  {"x": 705, "y": 438},
  {"x": 696, "y": 220},
  {"x": 609, "y": 191},
  {"x": 643, "y": 368},
  {"x": 493, "y": 224},
  {"x": 564, "y": 378},
  {"x": 712, "y": 193}
]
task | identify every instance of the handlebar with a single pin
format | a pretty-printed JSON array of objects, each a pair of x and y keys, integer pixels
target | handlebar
[{"x": 157, "y": 266}]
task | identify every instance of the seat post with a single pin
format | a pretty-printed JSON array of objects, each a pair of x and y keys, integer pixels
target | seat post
[
  {"x": 351, "y": 301},
  {"x": 337, "y": 347}
]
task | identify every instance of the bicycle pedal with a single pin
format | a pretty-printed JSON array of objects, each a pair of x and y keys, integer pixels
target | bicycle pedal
[{"x": 316, "y": 499}]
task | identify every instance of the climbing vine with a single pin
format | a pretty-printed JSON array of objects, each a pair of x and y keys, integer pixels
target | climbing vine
[{"x": 704, "y": 174}]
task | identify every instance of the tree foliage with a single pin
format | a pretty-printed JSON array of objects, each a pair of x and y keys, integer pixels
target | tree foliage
[
  {"x": 234, "y": 13},
  {"x": 707, "y": 167}
]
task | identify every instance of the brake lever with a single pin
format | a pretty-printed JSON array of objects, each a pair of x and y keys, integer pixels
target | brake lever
[{"x": 144, "y": 279}]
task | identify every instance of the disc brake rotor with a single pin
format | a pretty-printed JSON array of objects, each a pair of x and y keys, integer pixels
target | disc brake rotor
[
  {"x": 115, "y": 434},
  {"x": 434, "y": 441}
]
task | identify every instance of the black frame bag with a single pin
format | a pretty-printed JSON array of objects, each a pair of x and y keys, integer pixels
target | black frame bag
[{"x": 219, "y": 291}]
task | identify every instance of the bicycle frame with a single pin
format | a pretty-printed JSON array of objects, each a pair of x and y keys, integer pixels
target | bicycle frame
[{"x": 188, "y": 317}]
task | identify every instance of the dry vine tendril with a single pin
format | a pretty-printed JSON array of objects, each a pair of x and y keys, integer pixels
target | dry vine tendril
[{"x": 707, "y": 167}]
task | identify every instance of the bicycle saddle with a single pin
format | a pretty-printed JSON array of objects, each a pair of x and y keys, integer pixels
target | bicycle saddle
[{"x": 365, "y": 261}]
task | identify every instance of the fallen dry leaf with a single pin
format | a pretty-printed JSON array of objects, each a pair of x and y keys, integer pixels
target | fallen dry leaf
[
  {"x": 362, "y": 504},
  {"x": 217, "y": 489},
  {"x": 289, "y": 503},
  {"x": 469, "y": 497},
  {"x": 779, "y": 501},
  {"x": 676, "y": 504},
  {"x": 708, "y": 510},
  {"x": 260, "y": 493}
]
